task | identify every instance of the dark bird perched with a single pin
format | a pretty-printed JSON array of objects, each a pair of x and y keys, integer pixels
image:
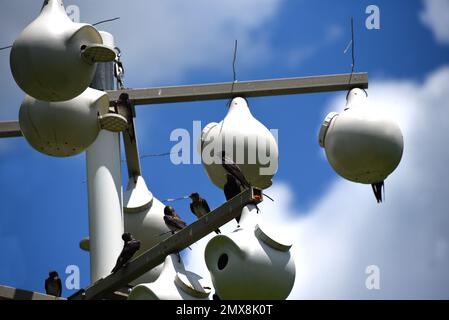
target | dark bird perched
[
  {"x": 377, "y": 189},
  {"x": 172, "y": 219},
  {"x": 53, "y": 285},
  {"x": 234, "y": 170},
  {"x": 232, "y": 188},
  {"x": 199, "y": 207},
  {"x": 130, "y": 247}
]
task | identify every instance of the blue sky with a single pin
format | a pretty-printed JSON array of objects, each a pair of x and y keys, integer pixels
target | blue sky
[{"x": 44, "y": 201}]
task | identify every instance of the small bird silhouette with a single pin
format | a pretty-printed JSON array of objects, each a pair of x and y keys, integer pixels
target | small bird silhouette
[
  {"x": 172, "y": 219},
  {"x": 174, "y": 222},
  {"x": 234, "y": 170},
  {"x": 200, "y": 207},
  {"x": 377, "y": 189},
  {"x": 130, "y": 247},
  {"x": 53, "y": 285},
  {"x": 232, "y": 188}
]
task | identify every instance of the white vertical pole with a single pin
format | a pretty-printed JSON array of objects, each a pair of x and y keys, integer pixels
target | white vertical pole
[{"x": 104, "y": 185}]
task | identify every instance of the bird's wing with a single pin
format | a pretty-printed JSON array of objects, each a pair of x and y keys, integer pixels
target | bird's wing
[
  {"x": 174, "y": 222},
  {"x": 235, "y": 171},
  {"x": 205, "y": 205},
  {"x": 180, "y": 223},
  {"x": 135, "y": 245},
  {"x": 128, "y": 252},
  {"x": 176, "y": 215},
  {"x": 232, "y": 188}
]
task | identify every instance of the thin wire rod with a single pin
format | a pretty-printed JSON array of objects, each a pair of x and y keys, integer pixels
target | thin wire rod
[
  {"x": 352, "y": 50},
  {"x": 107, "y": 20},
  {"x": 4, "y": 48}
]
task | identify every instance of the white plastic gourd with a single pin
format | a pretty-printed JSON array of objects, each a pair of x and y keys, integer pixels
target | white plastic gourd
[
  {"x": 250, "y": 263},
  {"x": 173, "y": 283},
  {"x": 49, "y": 60},
  {"x": 63, "y": 128},
  {"x": 246, "y": 141},
  {"x": 361, "y": 144}
]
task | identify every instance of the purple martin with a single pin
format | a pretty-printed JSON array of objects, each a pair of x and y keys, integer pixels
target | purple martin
[
  {"x": 53, "y": 285},
  {"x": 232, "y": 188},
  {"x": 174, "y": 222},
  {"x": 234, "y": 170},
  {"x": 130, "y": 247},
  {"x": 377, "y": 189},
  {"x": 200, "y": 207},
  {"x": 172, "y": 219}
]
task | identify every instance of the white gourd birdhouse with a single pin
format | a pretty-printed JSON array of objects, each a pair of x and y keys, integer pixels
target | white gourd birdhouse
[
  {"x": 246, "y": 141},
  {"x": 251, "y": 263},
  {"x": 361, "y": 144},
  {"x": 53, "y": 59},
  {"x": 63, "y": 128}
]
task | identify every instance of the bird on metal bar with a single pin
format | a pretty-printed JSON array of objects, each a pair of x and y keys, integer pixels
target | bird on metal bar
[
  {"x": 234, "y": 170},
  {"x": 53, "y": 285},
  {"x": 377, "y": 189},
  {"x": 232, "y": 188},
  {"x": 130, "y": 247},
  {"x": 172, "y": 220},
  {"x": 200, "y": 207}
]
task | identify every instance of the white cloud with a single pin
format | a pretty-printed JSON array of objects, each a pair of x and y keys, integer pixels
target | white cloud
[
  {"x": 435, "y": 16},
  {"x": 165, "y": 40},
  {"x": 346, "y": 230}
]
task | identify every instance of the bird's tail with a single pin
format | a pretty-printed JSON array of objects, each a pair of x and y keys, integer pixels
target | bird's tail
[
  {"x": 217, "y": 231},
  {"x": 266, "y": 195},
  {"x": 378, "y": 189}
]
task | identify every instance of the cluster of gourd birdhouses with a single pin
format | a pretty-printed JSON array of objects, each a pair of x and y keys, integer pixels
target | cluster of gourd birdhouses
[{"x": 53, "y": 61}]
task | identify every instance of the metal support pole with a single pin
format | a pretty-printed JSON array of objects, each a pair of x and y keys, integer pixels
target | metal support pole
[{"x": 104, "y": 186}]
